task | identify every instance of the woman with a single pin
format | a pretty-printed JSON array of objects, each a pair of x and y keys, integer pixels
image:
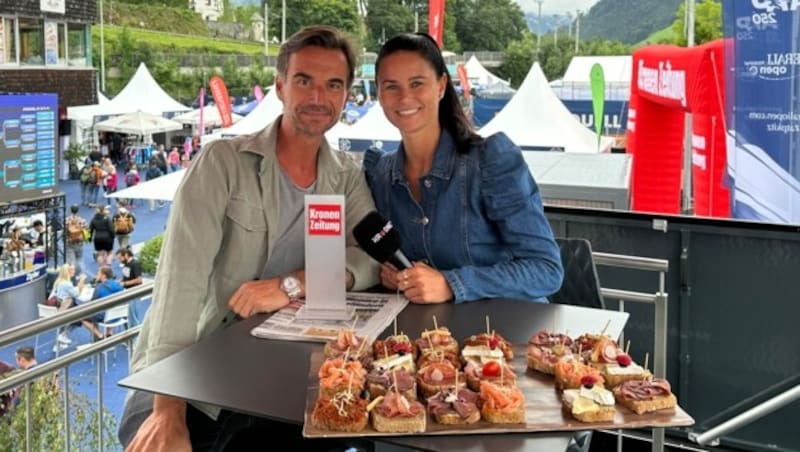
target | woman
[
  {"x": 102, "y": 235},
  {"x": 66, "y": 294},
  {"x": 467, "y": 209}
]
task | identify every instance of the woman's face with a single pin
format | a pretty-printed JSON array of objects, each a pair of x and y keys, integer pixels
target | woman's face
[{"x": 409, "y": 92}]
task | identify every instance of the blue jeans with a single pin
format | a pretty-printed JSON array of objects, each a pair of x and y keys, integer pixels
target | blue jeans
[{"x": 84, "y": 194}]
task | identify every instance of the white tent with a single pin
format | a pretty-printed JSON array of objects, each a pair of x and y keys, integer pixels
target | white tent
[
  {"x": 138, "y": 123},
  {"x": 373, "y": 127},
  {"x": 535, "y": 119},
  {"x": 479, "y": 75},
  {"x": 616, "y": 69},
  {"x": 267, "y": 110},
  {"x": 142, "y": 93},
  {"x": 338, "y": 131},
  {"x": 211, "y": 117},
  {"x": 161, "y": 188}
]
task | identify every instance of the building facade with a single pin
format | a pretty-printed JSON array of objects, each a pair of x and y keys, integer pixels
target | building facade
[
  {"x": 210, "y": 10},
  {"x": 45, "y": 47}
]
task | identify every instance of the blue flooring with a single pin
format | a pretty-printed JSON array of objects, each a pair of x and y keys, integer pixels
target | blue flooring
[{"x": 83, "y": 374}]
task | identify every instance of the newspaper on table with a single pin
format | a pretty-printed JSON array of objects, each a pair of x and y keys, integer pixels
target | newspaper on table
[{"x": 373, "y": 313}]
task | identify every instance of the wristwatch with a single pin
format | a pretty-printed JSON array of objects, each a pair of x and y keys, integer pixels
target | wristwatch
[{"x": 292, "y": 287}]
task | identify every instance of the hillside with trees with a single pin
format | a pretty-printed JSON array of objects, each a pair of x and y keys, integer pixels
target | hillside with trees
[{"x": 628, "y": 21}]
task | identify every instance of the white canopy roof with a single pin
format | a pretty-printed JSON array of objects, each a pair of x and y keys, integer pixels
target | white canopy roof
[
  {"x": 142, "y": 93},
  {"x": 476, "y": 71},
  {"x": 535, "y": 118},
  {"x": 138, "y": 123},
  {"x": 338, "y": 131},
  {"x": 373, "y": 126},
  {"x": 616, "y": 69},
  {"x": 211, "y": 117},
  {"x": 265, "y": 112},
  {"x": 162, "y": 188}
]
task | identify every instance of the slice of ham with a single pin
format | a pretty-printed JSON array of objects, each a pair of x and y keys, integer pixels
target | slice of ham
[{"x": 645, "y": 389}]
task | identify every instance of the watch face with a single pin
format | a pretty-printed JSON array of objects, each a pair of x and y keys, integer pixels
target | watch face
[{"x": 291, "y": 286}]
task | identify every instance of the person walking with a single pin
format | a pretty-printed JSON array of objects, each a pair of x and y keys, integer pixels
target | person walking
[
  {"x": 101, "y": 232},
  {"x": 124, "y": 223},
  {"x": 76, "y": 227}
]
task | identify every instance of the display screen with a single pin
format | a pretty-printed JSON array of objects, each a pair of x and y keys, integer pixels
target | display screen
[{"x": 28, "y": 139}]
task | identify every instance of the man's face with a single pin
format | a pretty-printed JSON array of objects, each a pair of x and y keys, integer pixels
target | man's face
[
  {"x": 314, "y": 89},
  {"x": 100, "y": 277}
]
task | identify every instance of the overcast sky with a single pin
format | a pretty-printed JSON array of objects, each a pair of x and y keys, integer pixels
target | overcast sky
[{"x": 556, "y": 6}]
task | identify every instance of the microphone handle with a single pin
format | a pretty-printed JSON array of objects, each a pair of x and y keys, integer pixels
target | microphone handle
[{"x": 399, "y": 260}]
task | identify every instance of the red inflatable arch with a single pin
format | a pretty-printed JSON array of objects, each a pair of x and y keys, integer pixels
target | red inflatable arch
[{"x": 669, "y": 81}]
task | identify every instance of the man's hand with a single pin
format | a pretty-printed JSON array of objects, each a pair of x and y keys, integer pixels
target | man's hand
[
  {"x": 164, "y": 430},
  {"x": 258, "y": 296},
  {"x": 389, "y": 276},
  {"x": 423, "y": 284}
]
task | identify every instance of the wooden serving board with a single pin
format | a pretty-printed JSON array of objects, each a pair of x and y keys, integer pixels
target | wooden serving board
[{"x": 543, "y": 410}]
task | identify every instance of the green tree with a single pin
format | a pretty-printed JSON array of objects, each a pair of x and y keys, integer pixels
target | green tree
[
  {"x": 488, "y": 24},
  {"x": 342, "y": 14},
  {"x": 518, "y": 59},
  {"x": 707, "y": 22},
  {"x": 386, "y": 18}
]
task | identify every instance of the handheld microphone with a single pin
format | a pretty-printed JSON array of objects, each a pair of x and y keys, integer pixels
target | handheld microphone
[{"x": 378, "y": 238}]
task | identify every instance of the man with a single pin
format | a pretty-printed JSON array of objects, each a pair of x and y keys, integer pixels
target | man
[
  {"x": 234, "y": 242},
  {"x": 75, "y": 227},
  {"x": 36, "y": 234},
  {"x": 124, "y": 223},
  {"x": 131, "y": 268},
  {"x": 26, "y": 357},
  {"x": 105, "y": 284}
]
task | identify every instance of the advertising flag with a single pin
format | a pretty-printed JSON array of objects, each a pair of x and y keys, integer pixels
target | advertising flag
[
  {"x": 436, "y": 20},
  {"x": 220, "y": 94},
  {"x": 202, "y": 102},
  {"x": 462, "y": 77},
  {"x": 763, "y": 123},
  {"x": 598, "y": 83}
]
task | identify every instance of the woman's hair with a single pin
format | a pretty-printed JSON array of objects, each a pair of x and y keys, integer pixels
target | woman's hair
[
  {"x": 451, "y": 115},
  {"x": 63, "y": 275}
]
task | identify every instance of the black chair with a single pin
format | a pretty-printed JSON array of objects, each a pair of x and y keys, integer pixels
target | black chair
[{"x": 581, "y": 286}]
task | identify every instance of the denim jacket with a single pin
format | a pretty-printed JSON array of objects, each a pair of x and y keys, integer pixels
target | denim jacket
[{"x": 480, "y": 220}]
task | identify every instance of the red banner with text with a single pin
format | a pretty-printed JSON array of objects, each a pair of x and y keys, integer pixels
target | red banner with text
[
  {"x": 220, "y": 94},
  {"x": 436, "y": 20}
]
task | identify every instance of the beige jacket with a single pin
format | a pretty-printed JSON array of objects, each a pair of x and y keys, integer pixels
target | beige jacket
[{"x": 218, "y": 237}]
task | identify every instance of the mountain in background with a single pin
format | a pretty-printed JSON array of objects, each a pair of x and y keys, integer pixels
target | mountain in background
[{"x": 629, "y": 21}]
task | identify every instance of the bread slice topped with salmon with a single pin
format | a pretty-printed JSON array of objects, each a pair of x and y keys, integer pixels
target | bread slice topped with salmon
[
  {"x": 570, "y": 372},
  {"x": 545, "y": 349},
  {"x": 342, "y": 412},
  {"x": 454, "y": 407},
  {"x": 645, "y": 396},
  {"x": 336, "y": 375},
  {"x": 589, "y": 403},
  {"x": 351, "y": 345},
  {"x": 394, "y": 413},
  {"x": 501, "y": 404}
]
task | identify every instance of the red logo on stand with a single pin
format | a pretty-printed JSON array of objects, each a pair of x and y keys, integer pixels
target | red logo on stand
[{"x": 324, "y": 219}]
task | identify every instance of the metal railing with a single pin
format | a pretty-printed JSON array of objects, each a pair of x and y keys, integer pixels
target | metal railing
[
  {"x": 25, "y": 378},
  {"x": 658, "y": 299}
]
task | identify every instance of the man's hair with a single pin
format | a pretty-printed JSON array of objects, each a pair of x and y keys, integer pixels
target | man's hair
[
  {"x": 26, "y": 352},
  {"x": 125, "y": 251},
  {"x": 38, "y": 223},
  {"x": 106, "y": 271},
  {"x": 318, "y": 36},
  {"x": 74, "y": 208}
]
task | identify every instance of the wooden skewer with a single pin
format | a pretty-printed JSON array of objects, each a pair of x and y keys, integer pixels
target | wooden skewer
[
  {"x": 394, "y": 379},
  {"x": 395, "y": 326},
  {"x": 487, "y": 325},
  {"x": 605, "y": 327},
  {"x": 385, "y": 350},
  {"x": 435, "y": 325},
  {"x": 346, "y": 354},
  {"x": 361, "y": 347},
  {"x": 628, "y": 347},
  {"x": 646, "y": 359},
  {"x": 353, "y": 326}
]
